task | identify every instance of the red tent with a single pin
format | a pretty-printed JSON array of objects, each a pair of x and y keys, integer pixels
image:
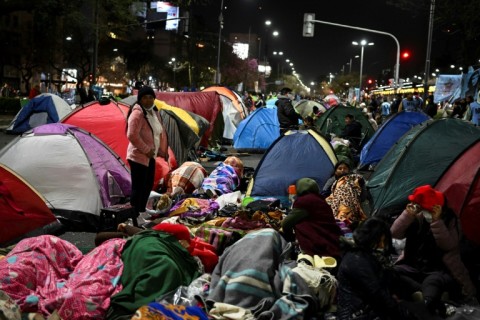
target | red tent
[
  {"x": 22, "y": 208},
  {"x": 461, "y": 186},
  {"x": 108, "y": 123},
  {"x": 205, "y": 104}
]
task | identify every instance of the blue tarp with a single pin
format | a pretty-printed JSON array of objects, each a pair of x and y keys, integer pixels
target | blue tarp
[
  {"x": 295, "y": 155},
  {"x": 388, "y": 134},
  {"x": 258, "y": 131},
  {"x": 43, "y": 109}
]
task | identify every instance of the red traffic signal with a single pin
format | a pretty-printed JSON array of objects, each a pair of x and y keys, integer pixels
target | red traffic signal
[
  {"x": 406, "y": 55},
  {"x": 370, "y": 81}
]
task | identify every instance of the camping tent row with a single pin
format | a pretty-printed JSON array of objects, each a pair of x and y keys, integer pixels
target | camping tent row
[
  {"x": 74, "y": 171},
  {"x": 442, "y": 153},
  {"x": 209, "y": 104}
]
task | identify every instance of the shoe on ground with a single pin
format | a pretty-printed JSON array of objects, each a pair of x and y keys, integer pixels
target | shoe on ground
[{"x": 143, "y": 218}]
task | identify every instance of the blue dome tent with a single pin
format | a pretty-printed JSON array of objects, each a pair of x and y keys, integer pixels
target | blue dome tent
[
  {"x": 297, "y": 154},
  {"x": 257, "y": 132},
  {"x": 388, "y": 134}
]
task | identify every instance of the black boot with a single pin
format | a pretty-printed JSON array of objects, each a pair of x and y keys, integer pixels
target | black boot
[{"x": 436, "y": 307}]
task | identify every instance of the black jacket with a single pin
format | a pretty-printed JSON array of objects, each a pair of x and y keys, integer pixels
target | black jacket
[
  {"x": 287, "y": 117},
  {"x": 364, "y": 288}
]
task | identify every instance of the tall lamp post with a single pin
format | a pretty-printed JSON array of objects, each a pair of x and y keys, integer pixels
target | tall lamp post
[
  {"x": 362, "y": 43},
  {"x": 173, "y": 62},
  {"x": 220, "y": 20}
]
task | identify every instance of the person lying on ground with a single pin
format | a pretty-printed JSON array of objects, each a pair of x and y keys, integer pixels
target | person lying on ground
[
  {"x": 185, "y": 179},
  {"x": 225, "y": 178},
  {"x": 194, "y": 245},
  {"x": 431, "y": 263},
  {"x": 311, "y": 222}
]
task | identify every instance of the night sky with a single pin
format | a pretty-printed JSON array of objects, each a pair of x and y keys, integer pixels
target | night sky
[{"x": 331, "y": 47}]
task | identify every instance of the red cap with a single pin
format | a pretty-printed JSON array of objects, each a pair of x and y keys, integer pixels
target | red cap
[
  {"x": 180, "y": 231},
  {"x": 427, "y": 197}
]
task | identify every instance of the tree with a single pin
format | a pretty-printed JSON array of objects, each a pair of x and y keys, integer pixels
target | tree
[{"x": 451, "y": 19}]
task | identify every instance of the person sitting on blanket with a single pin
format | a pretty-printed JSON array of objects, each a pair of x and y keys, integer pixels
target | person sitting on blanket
[
  {"x": 225, "y": 178},
  {"x": 365, "y": 273},
  {"x": 346, "y": 199},
  {"x": 312, "y": 220}
]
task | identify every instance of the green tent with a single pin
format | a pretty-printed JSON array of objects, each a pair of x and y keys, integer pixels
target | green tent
[
  {"x": 420, "y": 157},
  {"x": 333, "y": 121}
]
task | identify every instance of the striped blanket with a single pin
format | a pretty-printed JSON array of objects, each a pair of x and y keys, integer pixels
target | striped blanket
[{"x": 254, "y": 274}]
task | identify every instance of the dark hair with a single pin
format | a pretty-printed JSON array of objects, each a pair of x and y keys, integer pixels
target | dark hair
[
  {"x": 339, "y": 163},
  {"x": 369, "y": 233},
  {"x": 285, "y": 91},
  {"x": 349, "y": 115},
  {"x": 315, "y": 108}
]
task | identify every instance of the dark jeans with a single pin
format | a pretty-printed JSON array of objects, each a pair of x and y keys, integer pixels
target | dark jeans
[
  {"x": 431, "y": 284},
  {"x": 142, "y": 184}
]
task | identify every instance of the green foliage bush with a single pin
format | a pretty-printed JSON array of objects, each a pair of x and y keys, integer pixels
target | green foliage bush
[{"x": 9, "y": 105}]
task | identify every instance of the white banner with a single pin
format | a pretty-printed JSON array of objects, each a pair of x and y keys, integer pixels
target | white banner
[{"x": 447, "y": 87}]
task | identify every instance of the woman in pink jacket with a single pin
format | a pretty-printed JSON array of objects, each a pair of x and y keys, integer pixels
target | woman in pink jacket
[{"x": 147, "y": 140}]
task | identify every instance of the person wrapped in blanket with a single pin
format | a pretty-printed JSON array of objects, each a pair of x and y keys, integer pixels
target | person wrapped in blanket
[
  {"x": 365, "y": 276},
  {"x": 185, "y": 179},
  {"x": 254, "y": 279},
  {"x": 225, "y": 178},
  {"x": 46, "y": 276},
  {"x": 346, "y": 198},
  {"x": 312, "y": 220},
  {"x": 156, "y": 262}
]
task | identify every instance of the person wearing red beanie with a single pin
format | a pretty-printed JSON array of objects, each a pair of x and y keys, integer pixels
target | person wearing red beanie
[{"x": 431, "y": 263}]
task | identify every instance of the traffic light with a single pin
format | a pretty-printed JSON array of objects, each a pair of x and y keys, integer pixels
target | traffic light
[
  {"x": 406, "y": 54},
  {"x": 308, "y": 24},
  {"x": 370, "y": 81},
  {"x": 90, "y": 77}
]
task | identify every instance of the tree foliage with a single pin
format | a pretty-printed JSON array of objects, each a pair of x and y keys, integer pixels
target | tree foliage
[{"x": 451, "y": 18}]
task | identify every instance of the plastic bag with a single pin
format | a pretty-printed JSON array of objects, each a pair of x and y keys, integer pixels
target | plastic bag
[{"x": 188, "y": 295}]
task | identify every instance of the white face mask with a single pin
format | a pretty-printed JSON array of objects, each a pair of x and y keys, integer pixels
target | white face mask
[{"x": 427, "y": 215}]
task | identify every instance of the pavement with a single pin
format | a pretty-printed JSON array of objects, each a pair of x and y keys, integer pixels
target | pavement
[{"x": 84, "y": 240}]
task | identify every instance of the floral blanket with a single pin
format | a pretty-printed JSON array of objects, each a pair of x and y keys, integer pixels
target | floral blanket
[{"x": 45, "y": 273}]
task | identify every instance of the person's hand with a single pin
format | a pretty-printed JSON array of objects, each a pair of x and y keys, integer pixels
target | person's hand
[
  {"x": 436, "y": 212},
  {"x": 121, "y": 227},
  {"x": 413, "y": 209},
  {"x": 151, "y": 154}
]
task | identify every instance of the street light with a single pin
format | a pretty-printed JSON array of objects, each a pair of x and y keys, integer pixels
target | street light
[
  {"x": 173, "y": 62},
  {"x": 362, "y": 43}
]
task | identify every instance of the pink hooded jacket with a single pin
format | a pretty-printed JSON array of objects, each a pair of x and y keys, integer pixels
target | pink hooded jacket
[{"x": 140, "y": 137}]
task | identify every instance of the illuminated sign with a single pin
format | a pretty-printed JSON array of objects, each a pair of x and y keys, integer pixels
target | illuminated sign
[
  {"x": 172, "y": 13},
  {"x": 241, "y": 50}
]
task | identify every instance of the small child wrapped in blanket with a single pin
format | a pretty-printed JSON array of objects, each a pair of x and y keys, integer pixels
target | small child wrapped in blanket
[{"x": 225, "y": 178}]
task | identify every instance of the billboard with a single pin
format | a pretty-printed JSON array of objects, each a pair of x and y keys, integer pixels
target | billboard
[{"x": 171, "y": 11}]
